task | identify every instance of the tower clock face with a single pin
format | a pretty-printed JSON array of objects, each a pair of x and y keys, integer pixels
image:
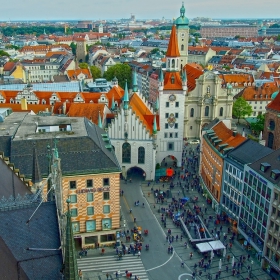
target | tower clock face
[{"x": 172, "y": 97}]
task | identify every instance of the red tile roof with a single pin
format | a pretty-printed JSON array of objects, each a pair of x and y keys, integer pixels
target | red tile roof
[
  {"x": 275, "y": 103},
  {"x": 9, "y": 66},
  {"x": 193, "y": 73},
  {"x": 168, "y": 84}
]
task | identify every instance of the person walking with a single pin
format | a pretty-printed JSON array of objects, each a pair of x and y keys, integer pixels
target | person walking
[
  {"x": 80, "y": 274},
  {"x": 139, "y": 254}
]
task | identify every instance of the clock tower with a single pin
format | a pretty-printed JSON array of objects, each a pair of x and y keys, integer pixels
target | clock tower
[
  {"x": 182, "y": 25},
  {"x": 172, "y": 93}
]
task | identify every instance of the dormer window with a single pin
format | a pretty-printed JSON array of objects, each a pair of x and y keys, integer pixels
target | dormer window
[
  {"x": 255, "y": 96},
  {"x": 264, "y": 166},
  {"x": 274, "y": 174}
]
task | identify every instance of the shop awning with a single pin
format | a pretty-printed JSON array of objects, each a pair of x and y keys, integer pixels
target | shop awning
[
  {"x": 204, "y": 247},
  {"x": 216, "y": 245}
]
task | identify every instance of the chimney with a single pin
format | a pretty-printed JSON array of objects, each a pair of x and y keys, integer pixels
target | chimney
[{"x": 23, "y": 103}]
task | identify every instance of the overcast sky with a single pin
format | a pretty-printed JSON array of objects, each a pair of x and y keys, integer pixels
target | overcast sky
[{"x": 143, "y": 9}]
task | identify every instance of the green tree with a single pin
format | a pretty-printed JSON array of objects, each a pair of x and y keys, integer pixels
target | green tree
[
  {"x": 154, "y": 51},
  {"x": 83, "y": 65},
  {"x": 73, "y": 46},
  {"x": 95, "y": 72},
  {"x": 278, "y": 38},
  {"x": 121, "y": 71},
  {"x": 12, "y": 47},
  {"x": 3, "y": 53},
  {"x": 258, "y": 126},
  {"x": 241, "y": 108}
]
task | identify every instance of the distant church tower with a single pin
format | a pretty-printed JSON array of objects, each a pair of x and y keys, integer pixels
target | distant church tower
[
  {"x": 182, "y": 25},
  {"x": 100, "y": 28},
  {"x": 81, "y": 50},
  {"x": 172, "y": 93}
]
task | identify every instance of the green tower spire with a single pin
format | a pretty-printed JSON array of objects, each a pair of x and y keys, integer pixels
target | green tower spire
[
  {"x": 125, "y": 97},
  {"x": 161, "y": 76},
  {"x": 134, "y": 82},
  {"x": 70, "y": 261},
  {"x": 155, "y": 125},
  {"x": 99, "y": 121},
  {"x": 113, "y": 107}
]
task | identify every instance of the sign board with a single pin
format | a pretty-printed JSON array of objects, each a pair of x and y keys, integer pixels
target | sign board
[{"x": 92, "y": 190}]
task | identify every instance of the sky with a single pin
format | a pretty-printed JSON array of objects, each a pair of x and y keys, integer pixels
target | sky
[{"x": 142, "y": 9}]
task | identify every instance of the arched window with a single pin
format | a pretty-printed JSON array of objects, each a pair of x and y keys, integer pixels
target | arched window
[
  {"x": 271, "y": 124},
  {"x": 173, "y": 63},
  {"x": 208, "y": 89},
  {"x": 192, "y": 112},
  {"x": 126, "y": 153},
  {"x": 206, "y": 111},
  {"x": 221, "y": 111},
  {"x": 141, "y": 155},
  {"x": 270, "y": 140},
  {"x": 182, "y": 47}
]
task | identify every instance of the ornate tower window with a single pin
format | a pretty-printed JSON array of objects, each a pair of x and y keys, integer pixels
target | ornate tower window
[{"x": 206, "y": 111}]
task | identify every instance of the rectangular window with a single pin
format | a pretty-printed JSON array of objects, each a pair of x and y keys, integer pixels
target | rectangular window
[
  {"x": 76, "y": 227},
  {"x": 170, "y": 135},
  {"x": 106, "y": 196},
  {"x": 72, "y": 184},
  {"x": 74, "y": 212},
  {"x": 176, "y": 115},
  {"x": 170, "y": 146},
  {"x": 176, "y": 134},
  {"x": 73, "y": 198},
  {"x": 89, "y": 183},
  {"x": 90, "y": 197},
  {"x": 106, "y": 209},
  {"x": 166, "y": 125},
  {"x": 106, "y": 224},
  {"x": 106, "y": 182},
  {"x": 177, "y": 104},
  {"x": 166, "y": 115},
  {"x": 90, "y": 211},
  {"x": 167, "y": 104},
  {"x": 176, "y": 125},
  {"x": 90, "y": 226},
  {"x": 165, "y": 134}
]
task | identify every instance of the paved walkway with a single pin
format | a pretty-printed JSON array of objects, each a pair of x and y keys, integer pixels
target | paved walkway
[{"x": 257, "y": 273}]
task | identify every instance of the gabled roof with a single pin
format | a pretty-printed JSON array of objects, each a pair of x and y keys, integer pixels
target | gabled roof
[
  {"x": 143, "y": 112},
  {"x": 193, "y": 73},
  {"x": 168, "y": 78},
  {"x": 172, "y": 50},
  {"x": 9, "y": 66},
  {"x": 274, "y": 104},
  {"x": 73, "y": 74},
  {"x": 87, "y": 110},
  {"x": 227, "y": 136}
]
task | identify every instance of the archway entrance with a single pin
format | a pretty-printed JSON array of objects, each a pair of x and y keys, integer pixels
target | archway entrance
[
  {"x": 136, "y": 173},
  {"x": 169, "y": 161}
]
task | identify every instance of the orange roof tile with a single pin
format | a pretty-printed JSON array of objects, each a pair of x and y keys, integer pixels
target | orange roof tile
[
  {"x": 9, "y": 66},
  {"x": 90, "y": 111},
  {"x": 143, "y": 112},
  {"x": 275, "y": 103},
  {"x": 237, "y": 78},
  {"x": 227, "y": 136},
  {"x": 172, "y": 50},
  {"x": 193, "y": 73},
  {"x": 72, "y": 74},
  {"x": 36, "y": 108},
  {"x": 169, "y": 76}
]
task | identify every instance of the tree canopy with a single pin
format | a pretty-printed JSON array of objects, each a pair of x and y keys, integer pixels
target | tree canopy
[
  {"x": 73, "y": 46},
  {"x": 121, "y": 71},
  {"x": 83, "y": 65},
  {"x": 95, "y": 72},
  {"x": 258, "y": 126},
  {"x": 241, "y": 108},
  {"x": 3, "y": 53}
]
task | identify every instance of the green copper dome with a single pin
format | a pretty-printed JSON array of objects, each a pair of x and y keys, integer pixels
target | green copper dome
[{"x": 182, "y": 20}]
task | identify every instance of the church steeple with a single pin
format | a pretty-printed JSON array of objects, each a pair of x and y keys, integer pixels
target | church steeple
[
  {"x": 173, "y": 50},
  {"x": 125, "y": 97}
]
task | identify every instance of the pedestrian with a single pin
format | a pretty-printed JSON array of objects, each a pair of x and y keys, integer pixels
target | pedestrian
[
  {"x": 139, "y": 254},
  {"x": 80, "y": 273},
  {"x": 134, "y": 220},
  {"x": 228, "y": 258},
  {"x": 107, "y": 276},
  {"x": 182, "y": 264},
  {"x": 116, "y": 275},
  {"x": 191, "y": 255},
  {"x": 226, "y": 268}
]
